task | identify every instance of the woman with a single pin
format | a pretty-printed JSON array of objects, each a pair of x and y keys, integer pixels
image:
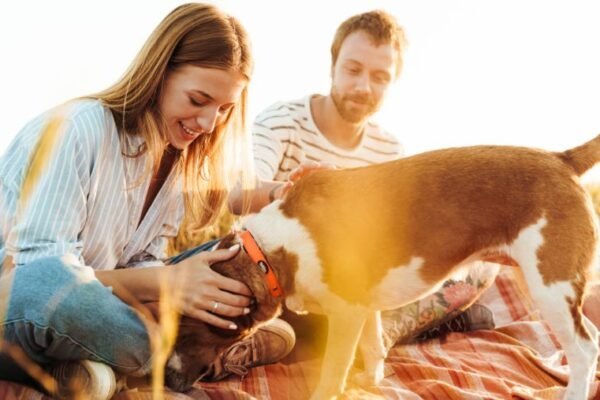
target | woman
[{"x": 167, "y": 138}]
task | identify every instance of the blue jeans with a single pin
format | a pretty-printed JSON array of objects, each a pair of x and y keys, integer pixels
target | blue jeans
[{"x": 61, "y": 312}]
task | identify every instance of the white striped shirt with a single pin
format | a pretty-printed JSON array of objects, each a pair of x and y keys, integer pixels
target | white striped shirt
[
  {"x": 285, "y": 135},
  {"x": 89, "y": 199}
]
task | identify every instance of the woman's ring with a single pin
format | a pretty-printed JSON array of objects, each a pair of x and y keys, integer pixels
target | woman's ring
[{"x": 215, "y": 305}]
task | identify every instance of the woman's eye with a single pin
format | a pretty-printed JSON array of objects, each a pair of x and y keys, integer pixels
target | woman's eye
[
  {"x": 196, "y": 102},
  {"x": 226, "y": 109}
]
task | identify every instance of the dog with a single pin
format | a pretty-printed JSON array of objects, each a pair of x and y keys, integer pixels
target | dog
[
  {"x": 352, "y": 243},
  {"x": 199, "y": 344}
]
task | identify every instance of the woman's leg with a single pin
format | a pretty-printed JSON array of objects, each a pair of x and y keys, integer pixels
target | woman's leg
[{"x": 58, "y": 312}]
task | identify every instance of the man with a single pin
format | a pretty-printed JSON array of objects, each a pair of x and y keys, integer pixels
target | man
[
  {"x": 366, "y": 58},
  {"x": 291, "y": 138}
]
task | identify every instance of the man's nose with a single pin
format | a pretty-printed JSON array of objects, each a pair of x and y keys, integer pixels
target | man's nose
[{"x": 363, "y": 83}]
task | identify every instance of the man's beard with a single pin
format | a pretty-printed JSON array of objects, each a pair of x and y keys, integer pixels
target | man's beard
[{"x": 345, "y": 111}]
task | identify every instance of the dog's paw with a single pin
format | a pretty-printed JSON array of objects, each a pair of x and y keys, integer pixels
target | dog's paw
[
  {"x": 364, "y": 379},
  {"x": 319, "y": 394},
  {"x": 373, "y": 374},
  {"x": 379, "y": 372}
]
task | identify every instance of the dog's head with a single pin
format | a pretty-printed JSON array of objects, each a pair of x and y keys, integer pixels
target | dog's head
[
  {"x": 198, "y": 344},
  {"x": 197, "y": 347}
]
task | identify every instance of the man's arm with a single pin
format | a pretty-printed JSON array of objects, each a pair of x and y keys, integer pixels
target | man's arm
[
  {"x": 268, "y": 152},
  {"x": 244, "y": 201}
]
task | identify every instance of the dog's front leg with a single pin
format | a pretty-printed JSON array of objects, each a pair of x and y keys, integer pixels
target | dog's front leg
[
  {"x": 345, "y": 326},
  {"x": 372, "y": 350}
]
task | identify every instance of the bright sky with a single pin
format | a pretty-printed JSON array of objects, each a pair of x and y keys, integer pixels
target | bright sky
[{"x": 476, "y": 72}]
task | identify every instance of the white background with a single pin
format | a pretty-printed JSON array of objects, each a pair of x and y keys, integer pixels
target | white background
[{"x": 518, "y": 72}]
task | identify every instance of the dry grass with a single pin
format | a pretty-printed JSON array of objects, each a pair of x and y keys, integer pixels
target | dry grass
[
  {"x": 37, "y": 162},
  {"x": 187, "y": 239},
  {"x": 163, "y": 335}
]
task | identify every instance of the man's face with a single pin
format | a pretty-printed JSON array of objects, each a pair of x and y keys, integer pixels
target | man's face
[{"x": 361, "y": 76}]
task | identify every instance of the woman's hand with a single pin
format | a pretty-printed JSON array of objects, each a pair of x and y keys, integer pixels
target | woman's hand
[{"x": 205, "y": 294}]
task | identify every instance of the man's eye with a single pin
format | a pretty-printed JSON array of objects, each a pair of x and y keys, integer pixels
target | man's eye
[{"x": 381, "y": 79}]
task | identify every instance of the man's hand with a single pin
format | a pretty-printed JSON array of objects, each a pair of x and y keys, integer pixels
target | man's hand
[{"x": 306, "y": 168}]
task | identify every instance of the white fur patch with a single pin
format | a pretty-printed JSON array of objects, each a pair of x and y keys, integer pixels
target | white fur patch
[
  {"x": 272, "y": 230},
  {"x": 524, "y": 250},
  {"x": 552, "y": 299},
  {"x": 400, "y": 286},
  {"x": 175, "y": 362}
]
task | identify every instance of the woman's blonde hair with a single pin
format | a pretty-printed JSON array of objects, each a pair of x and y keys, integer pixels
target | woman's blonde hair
[{"x": 203, "y": 36}]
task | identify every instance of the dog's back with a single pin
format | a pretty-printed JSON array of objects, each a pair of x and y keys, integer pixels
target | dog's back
[
  {"x": 442, "y": 206},
  {"x": 380, "y": 236}
]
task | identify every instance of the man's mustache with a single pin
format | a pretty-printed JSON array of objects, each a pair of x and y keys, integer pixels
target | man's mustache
[{"x": 361, "y": 99}]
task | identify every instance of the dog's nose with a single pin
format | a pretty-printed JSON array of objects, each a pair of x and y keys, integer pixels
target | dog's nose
[{"x": 177, "y": 381}]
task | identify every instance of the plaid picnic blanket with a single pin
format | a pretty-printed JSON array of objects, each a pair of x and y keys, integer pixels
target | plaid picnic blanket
[{"x": 520, "y": 359}]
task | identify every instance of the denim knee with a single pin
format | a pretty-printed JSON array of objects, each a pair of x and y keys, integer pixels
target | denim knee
[{"x": 61, "y": 311}]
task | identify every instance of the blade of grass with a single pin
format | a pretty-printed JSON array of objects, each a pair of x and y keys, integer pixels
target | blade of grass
[{"x": 37, "y": 162}]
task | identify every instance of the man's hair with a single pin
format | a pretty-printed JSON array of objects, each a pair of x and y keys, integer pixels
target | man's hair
[{"x": 379, "y": 25}]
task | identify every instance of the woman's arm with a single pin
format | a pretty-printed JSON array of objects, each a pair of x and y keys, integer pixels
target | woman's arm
[{"x": 196, "y": 288}]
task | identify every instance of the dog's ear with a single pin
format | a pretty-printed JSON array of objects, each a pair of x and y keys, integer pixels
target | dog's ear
[{"x": 229, "y": 240}]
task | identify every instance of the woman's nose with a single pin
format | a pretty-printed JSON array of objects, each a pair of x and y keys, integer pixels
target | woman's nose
[{"x": 207, "y": 121}]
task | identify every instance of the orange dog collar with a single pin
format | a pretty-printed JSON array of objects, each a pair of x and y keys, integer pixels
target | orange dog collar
[{"x": 257, "y": 256}]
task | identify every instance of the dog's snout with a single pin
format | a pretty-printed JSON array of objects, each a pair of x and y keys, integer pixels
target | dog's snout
[{"x": 180, "y": 382}]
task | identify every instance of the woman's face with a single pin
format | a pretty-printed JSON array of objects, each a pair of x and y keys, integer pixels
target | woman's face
[{"x": 195, "y": 100}]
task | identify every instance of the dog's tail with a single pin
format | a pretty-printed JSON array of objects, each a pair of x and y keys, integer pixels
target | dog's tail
[{"x": 584, "y": 157}]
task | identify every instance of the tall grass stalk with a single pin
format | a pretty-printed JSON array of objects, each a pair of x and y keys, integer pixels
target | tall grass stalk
[{"x": 45, "y": 146}]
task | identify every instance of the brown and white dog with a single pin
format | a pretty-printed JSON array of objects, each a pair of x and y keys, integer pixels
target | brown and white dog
[
  {"x": 199, "y": 344},
  {"x": 351, "y": 243}
]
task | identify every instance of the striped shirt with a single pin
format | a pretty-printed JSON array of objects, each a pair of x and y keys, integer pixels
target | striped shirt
[
  {"x": 285, "y": 135},
  {"x": 89, "y": 199}
]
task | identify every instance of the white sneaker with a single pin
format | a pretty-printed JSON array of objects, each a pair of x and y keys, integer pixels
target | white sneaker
[{"x": 83, "y": 379}]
